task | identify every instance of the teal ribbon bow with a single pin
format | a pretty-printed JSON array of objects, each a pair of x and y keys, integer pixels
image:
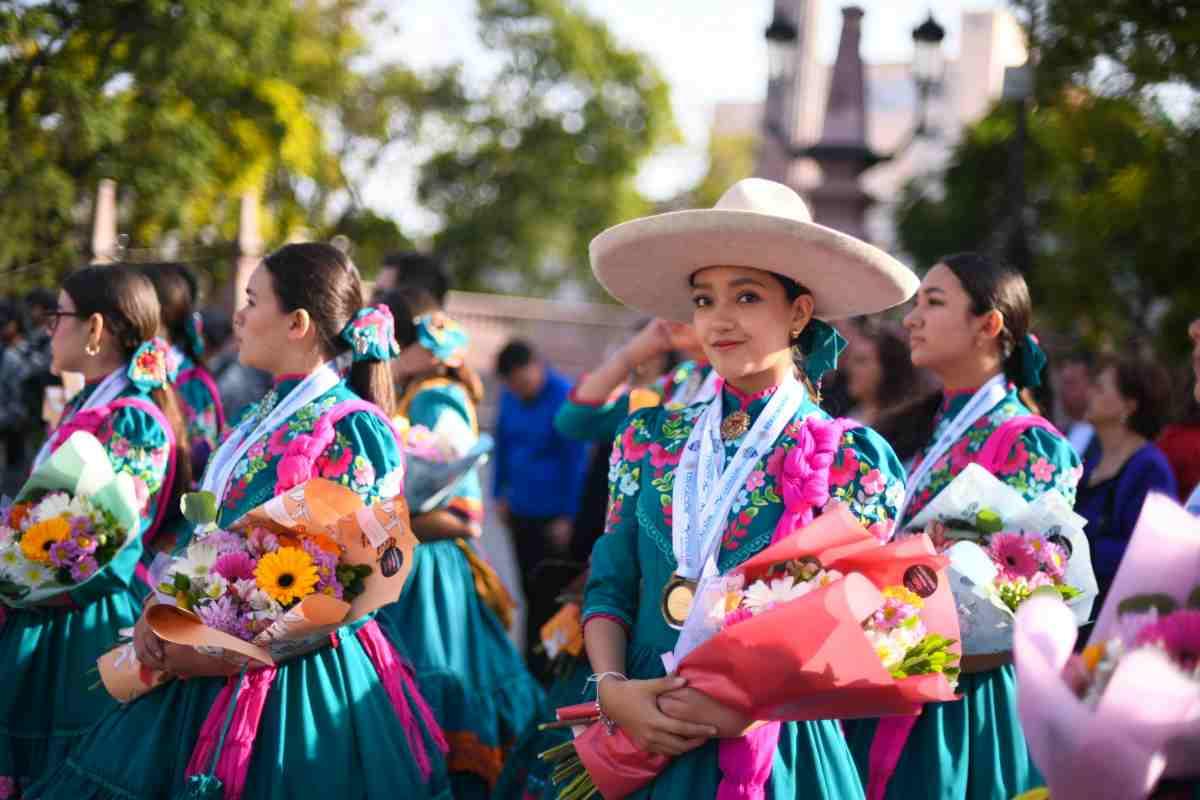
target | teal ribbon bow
[{"x": 821, "y": 345}]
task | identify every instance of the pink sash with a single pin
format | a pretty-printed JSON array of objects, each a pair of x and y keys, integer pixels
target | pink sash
[
  {"x": 234, "y": 753},
  {"x": 891, "y": 733}
]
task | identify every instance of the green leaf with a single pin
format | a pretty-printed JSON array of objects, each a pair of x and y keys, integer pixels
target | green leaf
[{"x": 199, "y": 508}]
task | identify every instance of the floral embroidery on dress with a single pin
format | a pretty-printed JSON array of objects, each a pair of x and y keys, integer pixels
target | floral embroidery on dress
[
  {"x": 146, "y": 465},
  {"x": 640, "y": 452},
  {"x": 1037, "y": 463}
]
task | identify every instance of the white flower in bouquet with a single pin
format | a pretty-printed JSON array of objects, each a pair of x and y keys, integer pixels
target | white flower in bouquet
[
  {"x": 215, "y": 585},
  {"x": 198, "y": 563},
  {"x": 762, "y": 596},
  {"x": 54, "y": 504}
]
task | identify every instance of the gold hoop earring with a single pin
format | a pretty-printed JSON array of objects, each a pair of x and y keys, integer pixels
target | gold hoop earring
[{"x": 92, "y": 349}]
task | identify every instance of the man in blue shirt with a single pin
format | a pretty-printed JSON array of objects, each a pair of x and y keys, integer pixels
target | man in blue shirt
[{"x": 539, "y": 477}]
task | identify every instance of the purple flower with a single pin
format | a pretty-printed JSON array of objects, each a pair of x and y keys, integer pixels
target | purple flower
[
  {"x": 235, "y": 566},
  {"x": 85, "y": 569},
  {"x": 65, "y": 553},
  {"x": 326, "y": 563},
  {"x": 81, "y": 526},
  {"x": 225, "y": 542},
  {"x": 222, "y": 615},
  {"x": 262, "y": 541}
]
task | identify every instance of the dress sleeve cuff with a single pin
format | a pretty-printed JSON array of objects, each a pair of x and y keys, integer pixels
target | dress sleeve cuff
[
  {"x": 573, "y": 396},
  {"x": 612, "y": 615}
]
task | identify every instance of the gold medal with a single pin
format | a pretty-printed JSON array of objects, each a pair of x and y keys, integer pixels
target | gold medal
[
  {"x": 735, "y": 425},
  {"x": 677, "y": 598}
]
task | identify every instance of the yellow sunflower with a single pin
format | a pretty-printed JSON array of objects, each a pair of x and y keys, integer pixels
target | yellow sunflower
[
  {"x": 286, "y": 575},
  {"x": 35, "y": 544}
]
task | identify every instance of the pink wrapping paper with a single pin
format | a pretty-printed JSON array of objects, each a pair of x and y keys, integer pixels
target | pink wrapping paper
[{"x": 1147, "y": 724}]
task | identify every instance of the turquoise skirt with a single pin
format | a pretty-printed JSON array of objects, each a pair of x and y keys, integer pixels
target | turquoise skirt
[
  {"x": 812, "y": 760},
  {"x": 972, "y": 749},
  {"x": 525, "y": 775},
  {"x": 328, "y": 729},
  {"x": 466, "y": 666},
  {"x": 47, "y": 659}
]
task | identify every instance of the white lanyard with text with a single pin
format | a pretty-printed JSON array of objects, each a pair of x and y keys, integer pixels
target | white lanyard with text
[
  {"x": 227, "y": 456},
  {"x": 983, "y": 401},
  {"x": 705, "y": 486}
]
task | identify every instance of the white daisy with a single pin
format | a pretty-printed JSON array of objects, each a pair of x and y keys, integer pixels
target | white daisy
[
  {"x": 55, "y": 504},
  {"x": 199, "y": 561},
  {"x": 761, "y": 596},
  {"x": 34, "y": 575},
  {"x": 216, "y": 585}
]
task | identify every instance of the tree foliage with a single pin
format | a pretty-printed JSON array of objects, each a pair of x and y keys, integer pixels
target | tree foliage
[
  {"x": 189, "y": 103},
  {"x": 544, "y": 157}
]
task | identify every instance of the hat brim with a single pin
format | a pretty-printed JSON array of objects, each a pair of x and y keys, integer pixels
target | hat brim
[{"x": 647, "y": 263}]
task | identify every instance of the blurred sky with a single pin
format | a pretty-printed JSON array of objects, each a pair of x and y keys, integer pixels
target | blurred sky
[{"x": 708, "y": 50}]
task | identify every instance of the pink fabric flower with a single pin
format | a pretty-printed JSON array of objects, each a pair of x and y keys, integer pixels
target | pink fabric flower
[
  {"x": 842, "y": 474},
  {"x": 277, "y": 443},
  {"x": 235, "y": 566},
  {"x": 661, "y": 457},
  {"x": 339, "y": 465},
  {"x": 1013, "y": 554},
  {"x": 960, "y": 454},
  {"x": 807, "y": 474},
  {"x": 873, "y": 482},
  {"x": 1043, "y": 470},
  {"x": 775, "y": 462},
  {"x": 630, "y": 447},
  {"x": 1178, "y": 633},
  {"x": 756, "y": 480}
]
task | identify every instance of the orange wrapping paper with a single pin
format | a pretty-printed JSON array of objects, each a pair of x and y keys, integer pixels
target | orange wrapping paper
[{"x": 315, "y": 508}]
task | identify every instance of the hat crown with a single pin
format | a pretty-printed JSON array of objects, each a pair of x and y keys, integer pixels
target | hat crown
[{"x": 761, "y": 196}]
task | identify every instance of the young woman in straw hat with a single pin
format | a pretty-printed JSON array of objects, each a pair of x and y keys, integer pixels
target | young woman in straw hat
[{"x": 756, "y": 278}]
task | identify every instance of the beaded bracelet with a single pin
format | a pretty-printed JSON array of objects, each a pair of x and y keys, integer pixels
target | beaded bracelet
[{"x": 605, "y": 720}]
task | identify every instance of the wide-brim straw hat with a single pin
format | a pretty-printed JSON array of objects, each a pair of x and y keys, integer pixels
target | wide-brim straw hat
[{"x": 647, "y": 263}]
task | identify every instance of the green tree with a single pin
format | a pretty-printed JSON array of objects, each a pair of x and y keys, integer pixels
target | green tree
[
  {"x": 545, "y": 156},
  {"x": 1110, "y": 209}
]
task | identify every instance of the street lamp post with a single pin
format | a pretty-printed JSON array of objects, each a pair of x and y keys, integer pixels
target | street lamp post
[
  {"x": 781, "y": 35},
  {"x": 928, "y": 68},
  {"x": 1018, "y": 88}
]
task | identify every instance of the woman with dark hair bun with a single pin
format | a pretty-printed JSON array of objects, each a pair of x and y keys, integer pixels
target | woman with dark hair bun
[
  {"x": 345, "y": 720},
  {"x": 970, "y": 328},
  {"x": 175, "y": 285},
  {"x": 103, "y": 327}
]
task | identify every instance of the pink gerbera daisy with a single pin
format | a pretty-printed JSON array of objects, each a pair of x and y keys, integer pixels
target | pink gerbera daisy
[
  {"x": 1013, "y": 554},
  {"x": 1178, "y": 633},
  {"x": 235, "y": 566}
]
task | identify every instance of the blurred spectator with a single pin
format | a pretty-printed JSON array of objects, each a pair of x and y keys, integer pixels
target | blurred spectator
[
  {"x": 1193, "y": 502},
  {"x": 1180, "y": 441},
  {"x": 1128, "y": 407},
  {"x": 16, "y": 416},
  {"x": 880, "y": 375},
  {"x": 538, "y": 475},
  {"x": 413, "y": 270},
  {"x": 238, "y": 384},
  {"x": 1074, "y": 390}
]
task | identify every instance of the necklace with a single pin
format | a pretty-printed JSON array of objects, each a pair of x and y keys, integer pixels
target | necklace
[{"x": 735, "y": 425}]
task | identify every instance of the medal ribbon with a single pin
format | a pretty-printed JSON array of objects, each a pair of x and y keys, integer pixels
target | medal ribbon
[
  {"x": 684, "y": 395},
  {"x": 983, "y": 401},
  {"x": 222, "y": 463},
  {"x": 705, "y": 486}
]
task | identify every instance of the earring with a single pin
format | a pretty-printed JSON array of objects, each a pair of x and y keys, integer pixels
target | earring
[{"x": 92, "y": 349}]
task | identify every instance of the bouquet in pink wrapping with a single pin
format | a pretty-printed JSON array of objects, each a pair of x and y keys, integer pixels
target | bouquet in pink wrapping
[
  {"x": 827, "y": 623},
  {"x": 1114, "y": 720}
]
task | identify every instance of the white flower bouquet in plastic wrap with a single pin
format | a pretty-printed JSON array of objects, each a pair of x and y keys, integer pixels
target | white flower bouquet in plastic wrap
[{"x": 1003, "y": 549}]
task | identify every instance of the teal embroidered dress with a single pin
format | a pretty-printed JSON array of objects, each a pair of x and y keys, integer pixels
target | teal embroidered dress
[
  {"x": 328, "y": 728},
  {"x": 48, "y": 653},
  {"x": 974, "y": 749},
  {"x": 466, "y": 666},
  {"x": 633, "y": 560},
  {"x": 593, "y": 422}
]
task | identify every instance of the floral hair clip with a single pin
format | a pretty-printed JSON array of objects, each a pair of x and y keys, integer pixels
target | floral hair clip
[
  {"x": 443, "y": 337},
  {"x": 371, "y": 334},
  {"x": 153, "y": 365}
]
